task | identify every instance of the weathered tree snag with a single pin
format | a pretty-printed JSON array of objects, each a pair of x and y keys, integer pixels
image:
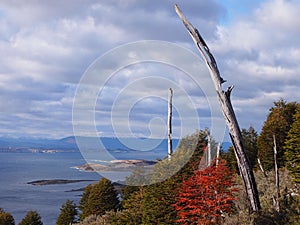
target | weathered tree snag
[
  {"x": 218, "y": 153},
  {"x": 170, "y": 146},
  {"x": 261, "y": 168},
  {"x": 228, "y": 112},
  {"x": 276, "y": 200},
  {"x": 208, "y": 152}
]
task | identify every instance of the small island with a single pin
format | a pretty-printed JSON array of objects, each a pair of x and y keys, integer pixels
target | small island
[
  {"x": 117, "y": 165},
  {"x": 56, "y": 181}
]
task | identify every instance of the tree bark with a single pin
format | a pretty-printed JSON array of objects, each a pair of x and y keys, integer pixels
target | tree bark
[
  {"x": 170, "y": 145},
  {"x": 228, "y": 112}
]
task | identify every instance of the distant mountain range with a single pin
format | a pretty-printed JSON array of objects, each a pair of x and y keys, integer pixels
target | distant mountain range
[
  {"x": 23, "y": 144},
  {"x": 69, "y": 144}
]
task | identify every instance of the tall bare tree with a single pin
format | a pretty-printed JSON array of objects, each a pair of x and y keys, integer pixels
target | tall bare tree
[
  {"x": 276, "y": 199},
  {"x": 218, "y": 153},
  {"x": 228, "y": 112},
  {"x": 208, "y": 151},
  {"x": 170, "y": 146}
]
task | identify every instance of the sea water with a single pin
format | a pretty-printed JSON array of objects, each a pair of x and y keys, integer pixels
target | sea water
[
  {"x": 17, "y": 169},
  {"x": 18, "y": 197}
]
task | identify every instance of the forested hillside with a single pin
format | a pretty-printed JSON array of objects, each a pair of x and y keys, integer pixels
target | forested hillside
[{"x": 215, "y": 195}]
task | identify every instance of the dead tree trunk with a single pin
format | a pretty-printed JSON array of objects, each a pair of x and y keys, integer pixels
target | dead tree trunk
[
  {"x": 228, "y": 112},
  {"x": 208, "y": 152},
  {"x": 170, "y": 146},
  {"x": 261, "y": 168},
  {"x": 218, "y": 153},
  {"x": 276, "y": 201}
]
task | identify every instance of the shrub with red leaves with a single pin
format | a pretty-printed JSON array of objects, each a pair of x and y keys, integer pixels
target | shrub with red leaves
[{"x": 206, "y": 195}]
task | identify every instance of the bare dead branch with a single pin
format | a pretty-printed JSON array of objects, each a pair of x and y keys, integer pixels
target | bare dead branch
[{"x": 228, "y": 112}]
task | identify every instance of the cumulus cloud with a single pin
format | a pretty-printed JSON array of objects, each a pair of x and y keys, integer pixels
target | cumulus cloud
[
  {"x": 259, "y": 54},
  {"x": 46, "y": 46}
]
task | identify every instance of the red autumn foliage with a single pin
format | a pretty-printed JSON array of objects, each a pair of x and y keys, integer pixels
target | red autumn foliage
[{"x": 206, "y": 195}]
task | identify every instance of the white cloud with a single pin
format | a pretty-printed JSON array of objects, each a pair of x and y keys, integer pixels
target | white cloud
[
  {"x": 259, "y": 54},
  {"x": 46, "y": 46}
]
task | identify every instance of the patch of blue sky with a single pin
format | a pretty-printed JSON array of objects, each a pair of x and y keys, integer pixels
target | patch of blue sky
[{"x": 238, "y": 8}]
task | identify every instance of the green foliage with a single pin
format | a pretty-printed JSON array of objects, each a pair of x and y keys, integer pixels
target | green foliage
[
  {"x": 119, "y": 218},
  {"x": 159, "y": 198},
  {"x": 292, "y": 147},
  {"x": 278, "y": 123},
  {"x": 6, "y": 218},
  {"x": 138, "y": 177},
  {"x": 230, "y": 158},
  {"x": 289, "y": 199},
  {"x": 250, "y": 144},
  {"x": 84, "y": 201},
  {"x": 153, "y": 204},
  {"x": 185, "y": 159},
  {"x": 127, "y": 191},
  {"x": 158, "y": 203},
  {"x": 68, "y": 213},
  {"x": 99, "y": 198},
  {"x": 93, "y": 220},
  {"x": 131, "y": 213},
  {"x": 111, "y": 218},
  {"x": 289, "y": 202},
  {"x": 31, "y": 218},
  {"x": 133, "y": 207},
  {"x": 199, "y": 138}
]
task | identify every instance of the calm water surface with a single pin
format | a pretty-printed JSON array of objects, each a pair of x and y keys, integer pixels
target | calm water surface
[
  {"x": 18, "y": 197},
  {"x": 16, "y": 169}
]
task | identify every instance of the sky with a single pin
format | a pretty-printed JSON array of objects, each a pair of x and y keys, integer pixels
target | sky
[{"x": 55, "y": 55}]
